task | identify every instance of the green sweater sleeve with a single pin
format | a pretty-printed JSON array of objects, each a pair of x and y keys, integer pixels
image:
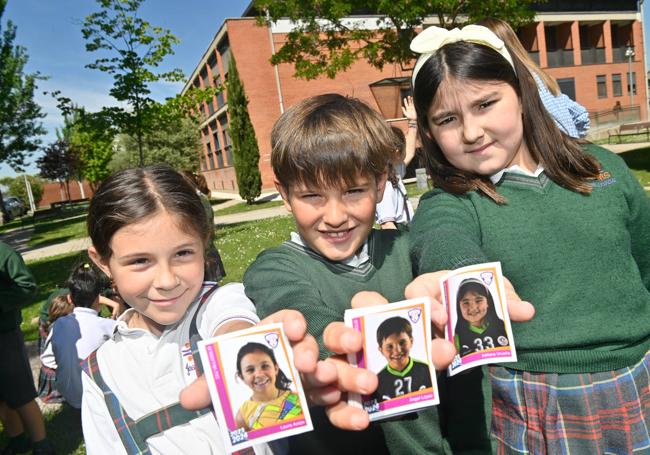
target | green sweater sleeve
[
  {"x": 445, "y": 234},
  {"x": 639, "y": 220},
  {"x": 274, "y": 282},
  {"x": 18, "y": 287}
]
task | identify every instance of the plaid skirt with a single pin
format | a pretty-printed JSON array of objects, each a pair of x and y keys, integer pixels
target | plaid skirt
[
  {"x": 591, "y": 413},
  {"x": 46, "y": 389}
]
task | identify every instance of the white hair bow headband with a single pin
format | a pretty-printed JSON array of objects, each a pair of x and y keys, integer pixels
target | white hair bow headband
[{"x": 433, "y": 38}]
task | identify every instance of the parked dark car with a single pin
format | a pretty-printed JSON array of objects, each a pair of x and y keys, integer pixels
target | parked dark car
[{"x": 14, "y": 207}]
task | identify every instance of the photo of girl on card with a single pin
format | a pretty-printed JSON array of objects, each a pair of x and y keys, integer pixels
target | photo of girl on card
[
  {"x": 478, "y": 323},
  {"x": 272, "y": 400},
  {"x": 478, "y": 327}
]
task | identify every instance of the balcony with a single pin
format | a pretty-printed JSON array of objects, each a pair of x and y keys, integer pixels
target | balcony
[
  {"x": 560, "y": 57},
  {"x": 593, "y": 55}
]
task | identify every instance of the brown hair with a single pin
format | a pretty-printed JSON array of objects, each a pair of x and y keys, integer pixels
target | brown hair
[
  {"x": 503, "y": 30},
  {"x": 330, "y": 139},
  {"x": 563, "y": 159},
  {"x": 59, "y": 307},
  {"x": 131, "y": 195}
]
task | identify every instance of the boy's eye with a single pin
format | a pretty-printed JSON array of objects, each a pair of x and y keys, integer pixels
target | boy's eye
[
  {"x": 138, "y": 261},
  {"x": 356, "y": 191}
]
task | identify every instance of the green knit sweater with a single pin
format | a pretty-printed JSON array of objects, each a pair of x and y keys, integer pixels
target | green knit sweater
[
  {"x": 292, "y": 276},
  {"x": 583, "y": 261},
  {"x": 17, "y": 288}
]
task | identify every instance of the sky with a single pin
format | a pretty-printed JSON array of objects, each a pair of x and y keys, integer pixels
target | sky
[{"x": 50, "y": 30}]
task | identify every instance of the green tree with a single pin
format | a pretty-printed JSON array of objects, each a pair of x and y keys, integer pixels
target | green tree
[
  {"x": 244, "y": 144},
  {"x": 132, "y": 51},
  {"x": 323, "y": 42},
  {"x": 19, "y": 114},
  {"x": 92, "y": 137},
  {"x": 173, "y": 143},
  {"x": 16, "y": 187}
]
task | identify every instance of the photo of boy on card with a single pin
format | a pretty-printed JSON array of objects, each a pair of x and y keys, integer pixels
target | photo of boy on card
[
  {"x": 272, "y": 400},
  {"x": 478, "y": 327},
  {"x": 402, "y": 374}
]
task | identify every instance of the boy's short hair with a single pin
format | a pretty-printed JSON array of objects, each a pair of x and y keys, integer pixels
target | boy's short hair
[
  {"x": 393, "y": 326},
  {"x": 329, "y": 140}
]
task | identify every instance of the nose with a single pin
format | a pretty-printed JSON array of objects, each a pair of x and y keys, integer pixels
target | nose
[
  {"x": 472, "y": 129},
  {"x": 165, "y": 277},
  {"x": 335, "y": 213}
]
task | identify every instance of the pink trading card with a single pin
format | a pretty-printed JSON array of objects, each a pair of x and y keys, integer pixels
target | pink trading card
[
  {"x": 397, "y": 347},
  {"x": 255, "y": 388},
  {"x": 478, "y": 322}
]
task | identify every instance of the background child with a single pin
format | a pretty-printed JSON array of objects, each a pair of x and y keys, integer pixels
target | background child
[
  {"x": 478, "y": 326},
  {"x": 402, "y": 374},
  {"x": 395, "y": 209},
  {"x": 272, "y": 401},
  {"x": 56, "y": 306},
  {"x": 570, "y": 227},
  {"x": 329, "y": 155},
  {"x": 18, "y": 408},
  {"x": 73, "y": 337}
]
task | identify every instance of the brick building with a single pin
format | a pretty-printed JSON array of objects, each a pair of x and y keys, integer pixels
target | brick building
[{"x": 582, "y": 44}]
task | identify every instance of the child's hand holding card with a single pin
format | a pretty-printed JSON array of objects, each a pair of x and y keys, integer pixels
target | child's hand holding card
[{"x": 478, "y": 323}]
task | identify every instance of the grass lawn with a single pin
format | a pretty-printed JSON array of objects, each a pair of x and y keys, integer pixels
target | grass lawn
[
  {"x": 243, "y": 207},
  {"x": 639, "y": 162},
  {"x": 59, "y": 230},
  {"x": 239, "y": 244}
]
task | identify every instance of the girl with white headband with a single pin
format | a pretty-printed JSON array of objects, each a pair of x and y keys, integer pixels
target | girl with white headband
[{"x": 570, "y": 227}]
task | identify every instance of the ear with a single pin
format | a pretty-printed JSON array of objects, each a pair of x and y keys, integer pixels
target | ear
[
  {"x": 99, "y": 262},
  {"x": 284, "y": 194},
  {"x": 68, "y": 298},
  {"x": 381, "y": 184}
]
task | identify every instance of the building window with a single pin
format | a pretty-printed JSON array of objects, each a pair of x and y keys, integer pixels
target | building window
[
  {"x": 617, "y": 86},
  {"x": 568, "y": 87},
  {"x": 210, "y": 158},
  {"x": 601, "y": 86},
  {"x": 631, "y": 83},
  {"x": 223, "y": 121}
]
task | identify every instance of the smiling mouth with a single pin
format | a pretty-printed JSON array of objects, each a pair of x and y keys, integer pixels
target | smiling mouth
[
  {"x": 166, "y": 302},
  {"x": 261, "y": 383},
  {"x": 480, "y": 149},
  {"x": 337, "y": 236}
]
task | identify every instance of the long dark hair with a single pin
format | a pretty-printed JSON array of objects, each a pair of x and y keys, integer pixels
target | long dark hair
[
  {"x": 474, "y": 285},
  {"x": 131, "y": 195},
  {"x": 562, "y": 157},
  {"x": 282, "y": 382}
]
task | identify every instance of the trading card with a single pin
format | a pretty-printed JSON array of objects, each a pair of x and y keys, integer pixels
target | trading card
[
  {"x": 255, "y": 388},
  {"x": 478, "y": 322},
  {"x": 397, "y": 347}
]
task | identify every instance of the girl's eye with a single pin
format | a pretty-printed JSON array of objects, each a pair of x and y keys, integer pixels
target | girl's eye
[
  {"x": 486, "y": 104},
  {"x": 185, "y": 253},
  {"x": 249, "y": 370},
  {"x": 445, "y": 121}
]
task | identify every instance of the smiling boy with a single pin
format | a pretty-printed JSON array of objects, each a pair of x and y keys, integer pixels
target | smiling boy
[
  {"x": 402, "y": 374},
  {"x": 330, "y": 155}
]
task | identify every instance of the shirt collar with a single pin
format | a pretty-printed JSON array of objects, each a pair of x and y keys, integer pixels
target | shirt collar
[
  {"x": 516, "y": 169},
  {"x": 80, "y": 309},
  {"x": 355, "y": 260}
]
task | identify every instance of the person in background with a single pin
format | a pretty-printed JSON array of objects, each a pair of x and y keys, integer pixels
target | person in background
[{"x": 19, "y": 411}]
